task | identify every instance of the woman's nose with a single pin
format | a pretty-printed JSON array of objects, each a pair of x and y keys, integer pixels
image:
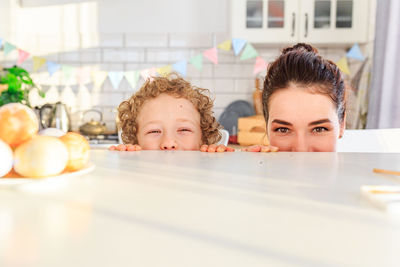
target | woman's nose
[
  {"x": 300, "y": 144},
  {"x": 168, "y": 144}
]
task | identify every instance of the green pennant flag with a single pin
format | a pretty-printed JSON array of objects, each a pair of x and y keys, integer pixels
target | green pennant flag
[
  {"x": 67, "y": 71},
  {"x": 197, "y": 61},
  {"x": 132, "y": 77},
  {"x": 248, "y": 52},
  {"x": 8, "y": 48}
]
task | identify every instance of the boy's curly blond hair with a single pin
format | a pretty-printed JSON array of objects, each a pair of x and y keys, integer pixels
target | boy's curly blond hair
[{"x": 176, "y": 86}]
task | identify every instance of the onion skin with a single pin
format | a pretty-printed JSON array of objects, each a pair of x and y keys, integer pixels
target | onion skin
[{"x": 78, "y": 149}]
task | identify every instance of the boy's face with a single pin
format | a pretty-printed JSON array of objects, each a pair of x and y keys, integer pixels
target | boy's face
[{"x": 169, "y": 123}]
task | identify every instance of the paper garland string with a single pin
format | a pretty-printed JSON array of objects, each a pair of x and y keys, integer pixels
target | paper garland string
[
  {"x": 22, "y": 56},
  {"x": 197, "y": 62},
  {"x": 238, "y": 45},
  {"x": 355, "y": 53},
  {"x": 132, "y": 77},
  {"x": 226, "y": 46},
  {"x": 260, "y": 65},
  {"x": 180, "y": 67},
  {"x": 38, "y": 62},
  {"x": 8, "y": 48},
  {"x": 343, "y": 66},
  {"x": 115, "y": 78},
  {"x": 212, "y": 55},
  {"x": 248, "y": 52}
]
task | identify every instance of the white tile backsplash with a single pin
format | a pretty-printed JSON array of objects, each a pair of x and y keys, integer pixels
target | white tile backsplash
[{"x": 230, "y": 80}]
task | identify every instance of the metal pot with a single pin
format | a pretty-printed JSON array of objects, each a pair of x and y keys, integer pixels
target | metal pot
[
  {"x": 55, "y": 116},
  {"x": 93, "y": 127}
]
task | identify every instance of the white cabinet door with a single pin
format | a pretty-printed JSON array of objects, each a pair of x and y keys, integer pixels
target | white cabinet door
[
  {"x": 265, "y": 21},
  {"x": 333, "y": 21}
]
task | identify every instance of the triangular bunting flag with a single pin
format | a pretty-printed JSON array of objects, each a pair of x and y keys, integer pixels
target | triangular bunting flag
[
  {"x": 238, "y": 45},
  {"x": 52, "y": 67},
  {"x": 22, "y": 56},
  {"x": 38, "y": 62},
  {"x": 8, "y": 48},
  {"x": 248, "y": 52},
  {"x": 343, "y": 66},
  {"x": 260, "y": 65},
  {"x": 355, "y": 53},
  {"x": 132, "y": 77},
  {"x": 197, "y": 61},
  {"x": 1, "y": 42},
  {"x": 148, "y": 73},
  {"x": 67, "y": 72},
  {"x": 180, "y": 67},
  {"x": 226, "y": 46},
  {"x": 98, "y": 77},
  {"x": 212, "y": 55},
  {"x": 164, "y": 71},
  {"x": 83, "y": 75},
  {"x": 115, "y": 78}
]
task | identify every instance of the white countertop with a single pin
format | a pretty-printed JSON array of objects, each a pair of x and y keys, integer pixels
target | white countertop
[{"x": 156, "y": 208}]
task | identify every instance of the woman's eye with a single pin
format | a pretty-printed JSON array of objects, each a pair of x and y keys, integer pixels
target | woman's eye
[
  {"x": 282, "y": 130},
  {"x": 320, "y": 129}
]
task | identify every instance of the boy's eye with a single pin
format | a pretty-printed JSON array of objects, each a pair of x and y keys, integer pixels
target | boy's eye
[
  {"x": 153, "y": 131},
  {"x": 184, "y": 130},
  {"x": 319, "y": 129},
  {"x": 282, "y": 130}
]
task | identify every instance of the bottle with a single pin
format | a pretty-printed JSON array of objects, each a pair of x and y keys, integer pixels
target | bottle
[{"x": 257, "y": 98}]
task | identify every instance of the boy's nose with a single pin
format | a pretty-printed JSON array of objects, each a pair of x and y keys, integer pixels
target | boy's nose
[{"x": 168, "y": 144}]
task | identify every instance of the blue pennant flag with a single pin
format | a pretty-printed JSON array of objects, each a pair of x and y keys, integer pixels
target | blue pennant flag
[
  {"x": 52, "y": 67},
  {"x": 180, "y": 67},
  {"x": 355, "y": 53},
  {"x": 115, "y": 78},
  {"x": 238, "y": 45}
]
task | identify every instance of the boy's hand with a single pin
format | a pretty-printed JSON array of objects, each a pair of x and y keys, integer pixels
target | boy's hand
[
  {"x": 216, "y": 148},
  {"x": 259, "y": 148},
  {"x": 127, "y": 147}
]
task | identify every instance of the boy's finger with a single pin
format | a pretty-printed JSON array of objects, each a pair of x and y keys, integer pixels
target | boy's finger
[
  {"x": 274, "y": 148},
  {"x": 121, "y": 147},
  {"x": 221, "y": 148},
  {"x": 265, "y": 149},
  {"x": 137, "y": 148},
  {"x": 211, "y": 148},
  {"x": 130, "y": 148},
  {"x": 112, "y": 148},
  {"x": 204, "y": 148},
  {"x": 254, "y": 148},
  {"x": 230, "y": 149}
]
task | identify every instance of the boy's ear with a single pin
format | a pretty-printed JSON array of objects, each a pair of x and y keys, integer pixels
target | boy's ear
[{"x": 342, "y": 126}]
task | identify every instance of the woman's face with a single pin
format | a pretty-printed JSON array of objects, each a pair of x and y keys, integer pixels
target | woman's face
[
  {"x": 302, "y": 121},
  {"x": 169, "y": 123}
]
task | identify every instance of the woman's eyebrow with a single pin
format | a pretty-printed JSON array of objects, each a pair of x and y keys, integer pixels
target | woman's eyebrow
[
  {"x": 282, "y": 122},
  {"x": 319, "y": 122}
]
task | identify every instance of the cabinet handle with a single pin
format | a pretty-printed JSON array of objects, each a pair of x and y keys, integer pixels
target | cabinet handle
[
  {"x": 293, "y": 23},
  {"x": 306, "y": 25}
]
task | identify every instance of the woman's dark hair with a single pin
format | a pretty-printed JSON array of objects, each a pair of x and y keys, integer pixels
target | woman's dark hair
[{"x": 303, "y": 66}]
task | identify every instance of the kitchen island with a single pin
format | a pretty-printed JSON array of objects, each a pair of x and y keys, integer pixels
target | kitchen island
[{"x": 156, "y": 208}]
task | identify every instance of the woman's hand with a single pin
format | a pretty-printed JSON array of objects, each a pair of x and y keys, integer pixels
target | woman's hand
[
  {"x": 259, "y": 148},
  {"x": 216, "y": 148},
  {"x": 128, "y": 147}
]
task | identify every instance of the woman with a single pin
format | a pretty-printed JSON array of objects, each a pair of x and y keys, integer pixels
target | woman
[{"x": 303, "y": 102}]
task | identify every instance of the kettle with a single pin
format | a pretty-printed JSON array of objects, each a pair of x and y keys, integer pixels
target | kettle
[
  {"x": 55, "y": 116},
  {"x": 93, "y": 127}
]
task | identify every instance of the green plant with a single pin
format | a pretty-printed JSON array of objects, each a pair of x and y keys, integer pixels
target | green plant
[{"x": 15, "y": 84}]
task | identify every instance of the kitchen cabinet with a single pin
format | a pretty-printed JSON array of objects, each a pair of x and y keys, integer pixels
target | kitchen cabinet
[{"x": 310, "y": 21}]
